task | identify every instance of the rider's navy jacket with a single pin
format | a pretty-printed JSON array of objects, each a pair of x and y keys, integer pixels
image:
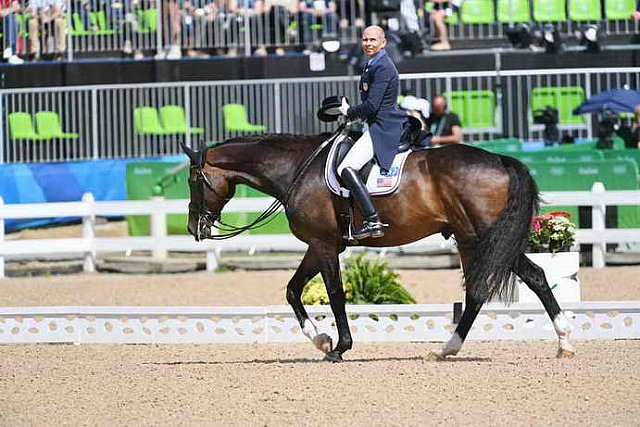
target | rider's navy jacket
[{"x": 379, "y": 85}]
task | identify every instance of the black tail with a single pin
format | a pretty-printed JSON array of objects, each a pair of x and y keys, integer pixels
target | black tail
[{"x": 489, "y": 274}]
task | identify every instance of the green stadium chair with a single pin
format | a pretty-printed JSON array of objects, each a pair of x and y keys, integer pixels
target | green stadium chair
[
  {"x": 21, "y": 127},
  {"x": 99, "y": 19},
  {"x": 585, "y": 10},
  {"x": 565, "y": 99},
  {"x": 549, "y": 10},
  {"x": 174, "y": 121},
  {"x": 23, "y": 21},
  {"x": 48, "y": 125},
  {"x": 476, "y": 108},
  {"x": 619, "y": 10},
  {"x": 478, "y": 12},
  {"x": 147, "y": 20},
  {"x": 519, "y": 13},
  {"x": 235, "y": 119},
  {"x": 78, "y": 29},
  {"x": 147, "y": 121}
]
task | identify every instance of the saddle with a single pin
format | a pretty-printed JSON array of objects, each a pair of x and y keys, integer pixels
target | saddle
[{"x": 379, "y": 182}]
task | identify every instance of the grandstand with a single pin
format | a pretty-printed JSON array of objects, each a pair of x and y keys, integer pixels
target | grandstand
[{"x": 138, "y": 79}]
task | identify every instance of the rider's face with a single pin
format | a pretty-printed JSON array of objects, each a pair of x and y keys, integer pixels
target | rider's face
[{"x": 372, "y": 42}]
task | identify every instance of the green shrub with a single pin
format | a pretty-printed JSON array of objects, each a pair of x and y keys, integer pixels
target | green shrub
[{"x": 364, "y": 282}]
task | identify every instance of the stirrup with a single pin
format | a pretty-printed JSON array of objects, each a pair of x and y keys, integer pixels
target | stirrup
[{"x": 373, "y": 229}]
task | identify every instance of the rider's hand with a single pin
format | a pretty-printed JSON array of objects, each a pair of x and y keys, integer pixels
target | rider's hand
[{"x": 344, "y": 107}]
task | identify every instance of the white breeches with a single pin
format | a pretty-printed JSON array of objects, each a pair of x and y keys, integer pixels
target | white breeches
[{"x": 359, "y": 154}]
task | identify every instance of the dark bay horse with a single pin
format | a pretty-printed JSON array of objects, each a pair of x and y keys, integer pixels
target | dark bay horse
[{"x": 486, "y": 201}]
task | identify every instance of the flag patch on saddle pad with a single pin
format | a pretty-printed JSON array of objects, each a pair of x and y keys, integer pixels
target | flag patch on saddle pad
[{"x": 385, "y": 182}]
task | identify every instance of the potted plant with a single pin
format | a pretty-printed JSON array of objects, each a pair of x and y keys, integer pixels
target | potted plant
[{"x": 550, "y": 240}]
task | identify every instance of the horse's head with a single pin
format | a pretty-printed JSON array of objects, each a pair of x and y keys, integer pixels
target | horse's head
[{"x": 210, "y": 191}]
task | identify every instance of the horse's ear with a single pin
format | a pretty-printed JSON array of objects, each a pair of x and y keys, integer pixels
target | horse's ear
[{"x": 193, "y": 156}]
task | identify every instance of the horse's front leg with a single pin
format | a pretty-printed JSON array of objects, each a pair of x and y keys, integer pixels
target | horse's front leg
[
  {"x": 307, "y": 269},
  {"x": 330, "y": 269}
]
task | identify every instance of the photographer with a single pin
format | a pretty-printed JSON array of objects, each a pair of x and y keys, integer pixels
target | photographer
[{"x": 635, "y": 127}]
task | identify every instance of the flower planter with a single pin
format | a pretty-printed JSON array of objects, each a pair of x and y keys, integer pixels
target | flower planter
[{"x": 561, "y": 270}]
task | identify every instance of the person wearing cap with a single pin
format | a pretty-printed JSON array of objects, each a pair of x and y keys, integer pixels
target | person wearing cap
[{"x": 379, "y": 85}]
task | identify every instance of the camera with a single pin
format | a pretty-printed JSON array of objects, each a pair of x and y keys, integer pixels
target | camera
[
  {"x": 608, "y": 124},
  {"x": 546, "y": 116},
  {"x": 549, "y": 117}
]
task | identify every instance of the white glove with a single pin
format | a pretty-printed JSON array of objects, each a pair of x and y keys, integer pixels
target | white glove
[{"x": 344, "y": 107}]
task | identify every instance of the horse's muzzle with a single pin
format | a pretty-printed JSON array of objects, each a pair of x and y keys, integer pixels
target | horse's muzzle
[{"x": 204, "y": 226}]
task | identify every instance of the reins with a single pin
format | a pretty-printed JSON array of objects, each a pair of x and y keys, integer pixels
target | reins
[{"x": 230, "y": 230}]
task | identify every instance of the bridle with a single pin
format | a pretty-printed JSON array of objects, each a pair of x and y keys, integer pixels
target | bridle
[{"x": 212, "y": 219}]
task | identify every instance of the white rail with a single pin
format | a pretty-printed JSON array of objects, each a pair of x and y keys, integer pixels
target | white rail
[
  {"x": 159, "y": 243},
  {"x": 374, "y": 323}
]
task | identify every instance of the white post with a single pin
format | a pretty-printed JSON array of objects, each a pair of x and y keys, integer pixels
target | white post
[
  {"x": 158, "y": 229},
  {"x": 213, "y": 259},
  {"x": 598, "y": 224},
  {"x": 89, "y": 234},
  {"x": 1, "y": 237}
]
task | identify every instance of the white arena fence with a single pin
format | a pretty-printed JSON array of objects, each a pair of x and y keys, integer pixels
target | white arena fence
[
  {"x": 277, "y": 324},
  {"x": 88, "y": 246},
  {"x": 124, "y": 121}
]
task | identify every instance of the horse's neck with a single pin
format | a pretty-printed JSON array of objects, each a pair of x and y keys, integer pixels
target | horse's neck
[{"x": 269, "y": 168}]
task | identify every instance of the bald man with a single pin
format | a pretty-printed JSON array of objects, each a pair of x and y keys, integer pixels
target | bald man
[{"x": 379, "y": 86}]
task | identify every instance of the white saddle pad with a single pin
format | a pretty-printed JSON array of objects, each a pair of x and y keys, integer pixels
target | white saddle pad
[{"x": 378, "y": 183}]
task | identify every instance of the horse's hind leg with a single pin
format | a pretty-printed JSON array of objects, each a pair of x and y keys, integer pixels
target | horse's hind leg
[
  {"x": 534, "y": 277},
  {"x": 471, "y": 309},
  {"x": 307, "y": 269}
]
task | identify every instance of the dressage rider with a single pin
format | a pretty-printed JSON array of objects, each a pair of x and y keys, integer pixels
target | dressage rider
[{"x": 379, "y": 86}]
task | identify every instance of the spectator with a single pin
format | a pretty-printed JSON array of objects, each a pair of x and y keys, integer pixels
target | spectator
[
  {"x": 255, "y": 11},
  {"x": 8, "y": 10},
  {"x": 173, "y": 11},
  {"x": 197, "y": 14},
  {"x": 280, "y": 14},
  {"x": 47, "y": 16},
  {"x": 444, "y": 125},
  {"x": 635, "y": 127},
  {"x": 318, "y": 12},
  {"x": 441, "y": 9}
]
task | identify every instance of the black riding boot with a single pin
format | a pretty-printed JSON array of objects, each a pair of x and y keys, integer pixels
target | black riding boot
[{"x": 372, "y": 226}]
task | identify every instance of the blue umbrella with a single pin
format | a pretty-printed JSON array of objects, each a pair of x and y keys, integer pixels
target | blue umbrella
[{"x": 616, "y": 100}]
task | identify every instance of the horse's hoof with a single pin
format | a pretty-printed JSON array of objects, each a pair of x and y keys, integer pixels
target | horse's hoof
[
  {"x": 565, "y": 354},
  {"x": 323, "y": 342},
  {"x": 432, "y": 356},
  {"x": 333, "y": 356}
]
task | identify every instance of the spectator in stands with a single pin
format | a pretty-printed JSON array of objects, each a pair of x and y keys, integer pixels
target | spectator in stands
[
  {"x": 47, "y": 17},
  {"x": 197, "y": 15},
  {"x": 441, "y": 9},
  {"x": 314, "y": 12},
  {"x": 173, "y": 11},
  {"x": 280, "y": 16},
  {"x": 8, "y": 10},
  {"x": 635, "y": 127},
  {"x": 443, "y": 124},
  {"x": 351, "y": 13},
  {"x": 256, "y": 11},
  {"x": 226, "y": 32}
]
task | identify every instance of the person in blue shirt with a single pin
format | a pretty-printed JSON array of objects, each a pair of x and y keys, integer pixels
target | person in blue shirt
[{"x": 379, "y": 85}]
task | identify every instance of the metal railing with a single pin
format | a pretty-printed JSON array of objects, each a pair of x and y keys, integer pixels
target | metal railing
[
  {"x": 167, "y": 29},
  {"x": 97, "y": 122}
]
